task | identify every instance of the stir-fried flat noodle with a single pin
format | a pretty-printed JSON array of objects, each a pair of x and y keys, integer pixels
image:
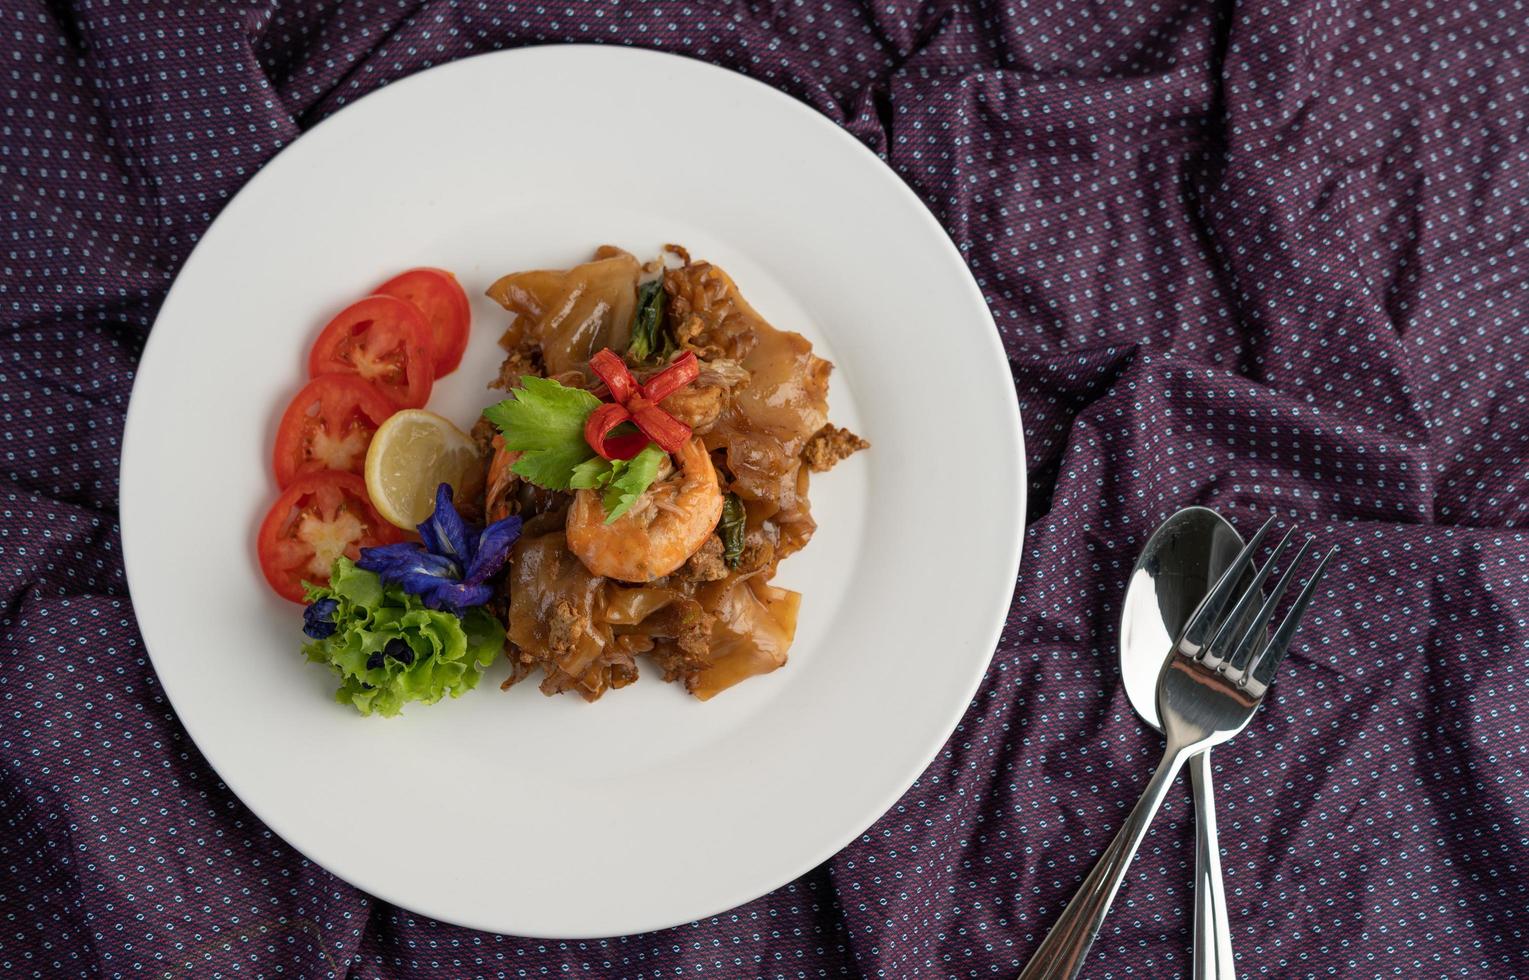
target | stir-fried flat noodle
[
  {"x": 760, "y": 399},
  {"x": 569, "y": 315}
]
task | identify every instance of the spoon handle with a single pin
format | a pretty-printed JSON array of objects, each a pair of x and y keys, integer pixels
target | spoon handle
[
  {"x": 1213, "y": 935},
  {"x": 1060, "y": 956}
]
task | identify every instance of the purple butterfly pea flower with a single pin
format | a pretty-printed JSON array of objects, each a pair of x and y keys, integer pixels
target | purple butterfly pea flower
[
  {"x": 318, "y": 618},
  {"x": 451, "y": 567}
]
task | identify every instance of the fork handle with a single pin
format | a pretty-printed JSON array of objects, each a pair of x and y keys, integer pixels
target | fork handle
[
  {"x": 1060, "y": 956},
  {"x": 1213, "y": 934}
]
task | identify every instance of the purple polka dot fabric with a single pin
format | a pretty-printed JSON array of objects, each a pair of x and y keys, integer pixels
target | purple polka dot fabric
[{"x": 1265, "y": 256}]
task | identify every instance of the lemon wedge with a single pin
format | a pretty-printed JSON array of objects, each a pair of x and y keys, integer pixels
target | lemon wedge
[{"x": 412, "y": 454}]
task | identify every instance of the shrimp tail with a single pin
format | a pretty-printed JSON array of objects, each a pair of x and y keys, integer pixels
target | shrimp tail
[{"x": 501, "y": 481}]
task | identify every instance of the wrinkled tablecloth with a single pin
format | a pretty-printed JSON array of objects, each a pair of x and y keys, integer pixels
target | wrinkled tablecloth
[{"x": 1265, "y": 256}]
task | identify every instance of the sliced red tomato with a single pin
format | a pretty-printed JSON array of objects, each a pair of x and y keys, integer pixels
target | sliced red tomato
[
  {"x": 328, "y": 426},
  {"x": 384, "y": 340},
  {"x": 440, "y": 298},
  {"x": 320, "y": 517}
]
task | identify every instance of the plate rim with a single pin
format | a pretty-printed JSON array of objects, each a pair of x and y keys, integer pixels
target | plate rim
[{"x": 1012, "y": 419}]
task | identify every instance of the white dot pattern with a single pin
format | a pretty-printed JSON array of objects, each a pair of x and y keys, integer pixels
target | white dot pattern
[{"x": 1267, "y": 257}]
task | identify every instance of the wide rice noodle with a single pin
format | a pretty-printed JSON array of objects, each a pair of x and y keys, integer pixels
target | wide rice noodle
[{"x": 760, "y": 397}]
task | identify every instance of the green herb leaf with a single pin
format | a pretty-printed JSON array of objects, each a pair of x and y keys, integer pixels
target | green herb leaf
[
  {"x": 542, "y": 415},
  {"x": 648, "y": 334},
  {"x": 623, "y": 480},
  {"x": 629, "y": 478},
  {"x": 544, "y": 421},
  {"x": 592, "y": 474},
  {"x": 732, "y": 526}
]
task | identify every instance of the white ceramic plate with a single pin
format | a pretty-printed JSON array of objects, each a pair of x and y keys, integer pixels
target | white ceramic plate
[{"x": 548, "y": 816}]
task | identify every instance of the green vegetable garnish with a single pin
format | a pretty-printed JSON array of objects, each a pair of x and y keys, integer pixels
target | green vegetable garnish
[
  {"x": 732, "y": 528},
  {"x": 648, "y": 334},
  {"x": 544, "y": 421},
  {"x": 623, "y": 480},
  {"x": 387, "y": 648}
]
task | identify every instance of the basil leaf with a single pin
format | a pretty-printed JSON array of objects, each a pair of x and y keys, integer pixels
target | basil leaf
[
  {"x": 648, "y": 334},
  {"x": 732, "y": 527}
]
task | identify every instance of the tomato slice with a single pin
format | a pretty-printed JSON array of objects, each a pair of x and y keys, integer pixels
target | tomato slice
[
  {"x": 328, "y": 426},
  {"x": 320, "y": 517},
  {"x": 440, "y": 298},
  {"x": 384, "y": 340}
]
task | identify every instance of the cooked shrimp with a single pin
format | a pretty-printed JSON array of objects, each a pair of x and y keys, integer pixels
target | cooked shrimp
[
  {"x": 663, "y": 528},
  {"x": 500, "y": 481}
]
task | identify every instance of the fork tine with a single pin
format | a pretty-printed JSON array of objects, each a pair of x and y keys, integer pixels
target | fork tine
[
  {"x": 1225, "y": 639},
  {"x": 1248, "y": 645},
  {"x": 1279, "y": 644},
  {"x": 1208, "y": 613}
]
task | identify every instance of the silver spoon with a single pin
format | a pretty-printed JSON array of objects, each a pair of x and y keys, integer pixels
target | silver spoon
[{"x": 1186, "y": 553}]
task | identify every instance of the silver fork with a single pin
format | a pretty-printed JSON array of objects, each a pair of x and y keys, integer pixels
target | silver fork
[{"x": 1207, "y": 692}]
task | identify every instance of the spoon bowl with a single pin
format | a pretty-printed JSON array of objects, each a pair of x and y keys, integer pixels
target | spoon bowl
[{"x": 1184, "y": 556}]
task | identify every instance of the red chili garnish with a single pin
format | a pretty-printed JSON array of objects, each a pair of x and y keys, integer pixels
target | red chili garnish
[
  {"x": 640, "y": 406},
  {"x": 598, "y": 426},
  {"x": 672, "y": 378},
  {"x": 666, "y": 430},
  {"x": 612, "y": 370}
]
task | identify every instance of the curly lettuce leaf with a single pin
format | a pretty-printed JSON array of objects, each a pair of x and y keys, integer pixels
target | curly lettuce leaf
[{"x": 448, "y": 654}]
